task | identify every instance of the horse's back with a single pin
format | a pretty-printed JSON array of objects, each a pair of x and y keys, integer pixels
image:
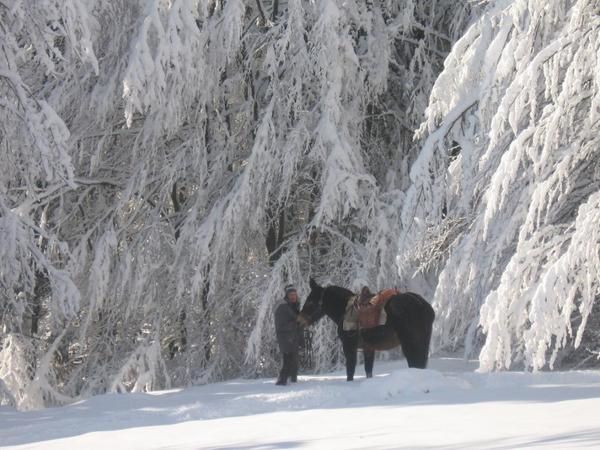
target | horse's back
[{"x": 410, "y": 307}]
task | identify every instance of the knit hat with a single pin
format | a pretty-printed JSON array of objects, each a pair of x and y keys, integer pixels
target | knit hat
[{"x": 289, "y": 288}]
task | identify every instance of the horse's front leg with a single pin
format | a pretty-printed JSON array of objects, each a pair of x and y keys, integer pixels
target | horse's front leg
[
  {"x": 369, "y": 356},
  {"x": 350, "y": 345}
]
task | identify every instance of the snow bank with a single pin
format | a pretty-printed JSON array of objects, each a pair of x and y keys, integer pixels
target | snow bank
[{"x": 399, "y": 408}]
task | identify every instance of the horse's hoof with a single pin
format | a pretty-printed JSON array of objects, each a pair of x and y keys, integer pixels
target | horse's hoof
[
  {"x": 350, "y": 379},
  {"x": 369, "y": 375}
]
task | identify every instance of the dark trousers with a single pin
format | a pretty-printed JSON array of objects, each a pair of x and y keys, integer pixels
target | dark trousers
[{"x": 289, "y": 368}]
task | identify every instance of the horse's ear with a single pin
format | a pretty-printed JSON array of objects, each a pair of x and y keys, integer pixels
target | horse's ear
[{"x": 313, "y": 284}]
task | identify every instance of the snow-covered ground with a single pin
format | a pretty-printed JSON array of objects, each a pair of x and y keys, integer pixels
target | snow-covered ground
[{"x": 448, "y": 406}]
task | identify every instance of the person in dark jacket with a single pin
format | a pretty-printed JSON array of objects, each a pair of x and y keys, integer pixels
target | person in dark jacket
[{"x": 288, "y": 335}]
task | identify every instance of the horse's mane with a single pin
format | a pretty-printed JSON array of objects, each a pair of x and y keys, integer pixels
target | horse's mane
[
  {"x": 335, "y": 304},
  {"x": 339, "y": 292}
]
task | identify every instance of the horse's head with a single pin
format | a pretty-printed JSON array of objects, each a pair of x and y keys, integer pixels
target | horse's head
[{"x": 313, "y": 306}]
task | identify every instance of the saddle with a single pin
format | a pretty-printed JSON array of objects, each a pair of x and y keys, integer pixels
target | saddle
[{"x": 366, "y": 310}]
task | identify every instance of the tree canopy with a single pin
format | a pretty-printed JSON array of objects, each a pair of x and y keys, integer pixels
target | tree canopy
[{"x": 170, "y": 165}]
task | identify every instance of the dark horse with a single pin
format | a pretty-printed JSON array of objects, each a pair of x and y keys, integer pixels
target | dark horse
[{"x": 409, "y": 322}]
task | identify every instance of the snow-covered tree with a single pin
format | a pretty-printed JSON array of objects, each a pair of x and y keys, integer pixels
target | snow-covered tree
[
  {"x": 171, "y": 165},
  {"x": 508, "y": 184},
  {"x": 168, "y": 166}
]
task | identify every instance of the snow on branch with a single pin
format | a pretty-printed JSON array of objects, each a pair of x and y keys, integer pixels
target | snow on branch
[
  {"x": 177, "y": 162},
  {"x": 511, "y": 140}
]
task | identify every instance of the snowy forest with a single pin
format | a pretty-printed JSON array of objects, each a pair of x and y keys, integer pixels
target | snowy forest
[{"x": 168, "y": 166}]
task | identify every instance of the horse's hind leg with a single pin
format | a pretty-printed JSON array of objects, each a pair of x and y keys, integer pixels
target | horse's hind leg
[
  {"x": 413, "y": 319},
  {"x": 369, "y": 356},
  {"x": 414, "y": 355},
  {"x": 415, "y": 346},
  {"x": 350, "y": 346},
  {"x": 423, "y": 339},
  {"x": 425, "y": 346}
]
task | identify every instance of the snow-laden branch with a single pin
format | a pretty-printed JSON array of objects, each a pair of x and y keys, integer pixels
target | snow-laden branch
[
  {"x": 176, "y": 164},
  {"x": 511, "y": 143}
]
